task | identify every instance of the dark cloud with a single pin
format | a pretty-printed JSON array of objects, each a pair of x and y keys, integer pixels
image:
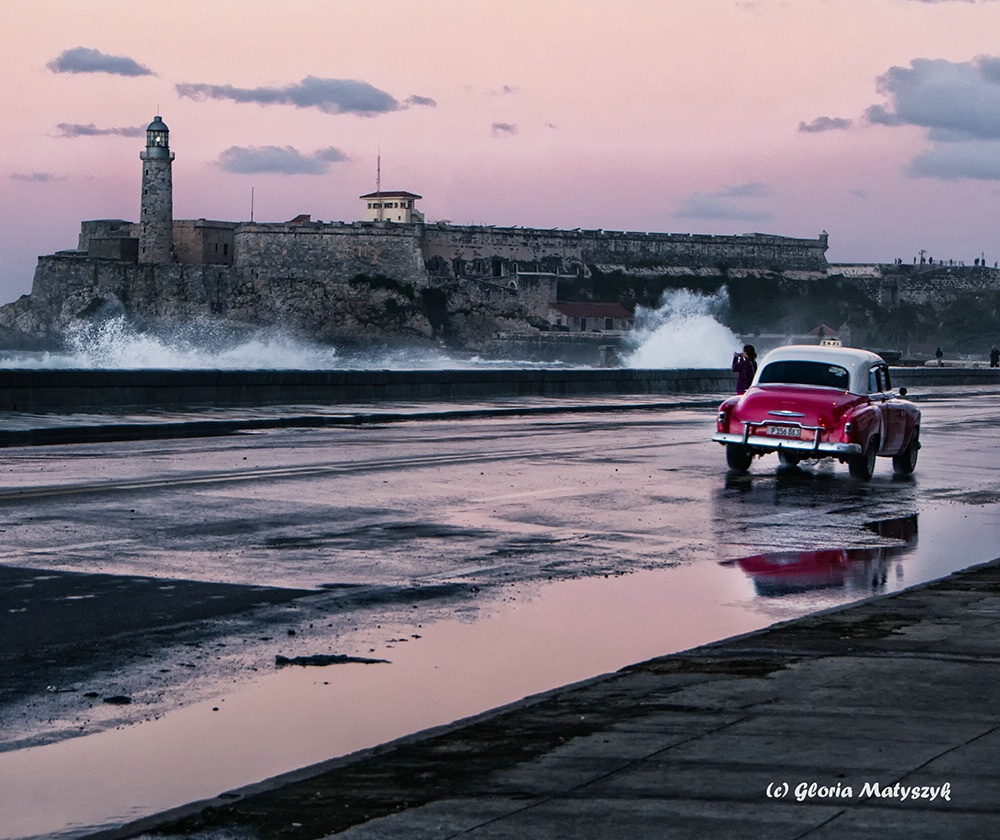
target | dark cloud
[
  {"x": 36, "y": 177},
  {"x": 86, "y": 60},
  {"x": 332, "y": 96},
  {"x": 737, "y": 203},
  {"x": 958, "y": 106},
  {"x": 91, "y": 130},
  {"x": 421, "y": 100},
  {"x": 825, "y": 124},
  {"x": 955, "y": 100},
  {"x": 282, "y": 160},
  {"x": 500, "y": 129}
]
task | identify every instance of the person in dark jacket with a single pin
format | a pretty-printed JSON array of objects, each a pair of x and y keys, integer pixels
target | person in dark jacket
[{"x": 745, "y": 366}]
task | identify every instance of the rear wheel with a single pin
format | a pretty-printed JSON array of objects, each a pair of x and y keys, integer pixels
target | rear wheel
[
  {"x": 862, "y": 466},
  {"x": 738, "y": 457},
  {"x": 906, "y": 461}
]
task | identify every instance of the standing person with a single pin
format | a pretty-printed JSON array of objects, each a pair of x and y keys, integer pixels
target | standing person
[
  {"x": 939, "y": 355},
  {"x": 745, "y": 365},
  {"x": 994, "y": 357}
]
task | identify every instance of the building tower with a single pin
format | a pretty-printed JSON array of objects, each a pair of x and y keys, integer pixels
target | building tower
[{"x": 156, "y": 220}]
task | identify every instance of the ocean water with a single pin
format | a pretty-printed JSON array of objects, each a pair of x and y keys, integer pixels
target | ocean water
[{"x": 684, "y": 331}]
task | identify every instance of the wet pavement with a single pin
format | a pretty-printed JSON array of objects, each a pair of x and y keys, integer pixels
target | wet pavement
[
  {"x": 872, "y": 721},
  {"x": 486, "y": 557}
]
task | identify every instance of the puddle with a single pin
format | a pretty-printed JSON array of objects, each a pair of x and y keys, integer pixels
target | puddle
[
  {"x": 533, "y": 639},
  {"x": 859, "y": 572}
]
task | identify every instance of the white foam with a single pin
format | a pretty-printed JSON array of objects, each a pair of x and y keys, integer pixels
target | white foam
[{"x": 683, "y": 332}]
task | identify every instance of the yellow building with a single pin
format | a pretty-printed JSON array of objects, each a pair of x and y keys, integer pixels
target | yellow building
[{"x": 391, "y": 207}]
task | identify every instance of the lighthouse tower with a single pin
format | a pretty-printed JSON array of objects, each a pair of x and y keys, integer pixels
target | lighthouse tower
[{"x": 156, "y": 220}]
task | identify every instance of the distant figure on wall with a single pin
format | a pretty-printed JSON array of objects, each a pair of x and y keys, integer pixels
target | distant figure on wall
[
  {"x": 939, "y": 355},
  {"x": 994, "y": 357},
  {"x": 745, "y": 365}
]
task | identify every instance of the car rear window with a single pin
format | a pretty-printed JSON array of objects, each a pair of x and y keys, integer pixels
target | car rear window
[{"x": 805, "y": 373}]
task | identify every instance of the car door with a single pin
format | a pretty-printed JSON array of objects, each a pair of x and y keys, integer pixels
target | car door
[{"x": 895, "y": 415}]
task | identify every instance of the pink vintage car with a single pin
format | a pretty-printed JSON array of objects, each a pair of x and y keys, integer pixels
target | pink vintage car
[{"x": 811, "y": 401}]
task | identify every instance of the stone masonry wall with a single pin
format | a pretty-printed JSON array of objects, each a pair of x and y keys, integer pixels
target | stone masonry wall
[{"x": 467, "y": 250}]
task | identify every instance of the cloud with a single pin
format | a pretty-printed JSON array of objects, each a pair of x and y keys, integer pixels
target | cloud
[
  {"x": 331, "y": 96},
  {"x": 86, "y": 60},
  {"x": 36, "y": 177},
  {"x": 67, "y": 130},
  {"x": 976, "y": 159},
  {"x": 735, "y": 203},
  {"x": 825, "y": 124},
  {"x": 283, "y": 160},
  {"x": 958, "y": 106},
  {"x": 500, "y": 129},
  {"x": 421, "y": 100},
  {"x": 955, "y": 100}
]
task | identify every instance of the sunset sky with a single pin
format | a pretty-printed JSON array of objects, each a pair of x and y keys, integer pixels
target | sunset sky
[{"x": 875, "y": 120}]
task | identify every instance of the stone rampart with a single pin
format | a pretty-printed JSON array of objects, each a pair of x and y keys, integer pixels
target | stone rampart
[
  {"x": 924, "y": 285},
  {"x": 336, "y": 251},
  {"x": 475, "y": 250}
]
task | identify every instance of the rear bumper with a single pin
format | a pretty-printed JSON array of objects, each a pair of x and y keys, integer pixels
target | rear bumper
[{"x": 769, "y": 444}]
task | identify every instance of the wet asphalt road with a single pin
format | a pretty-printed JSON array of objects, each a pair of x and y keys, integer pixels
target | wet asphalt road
[{"x": 174, "y": 564}]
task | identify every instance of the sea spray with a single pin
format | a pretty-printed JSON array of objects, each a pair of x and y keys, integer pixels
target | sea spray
[
  {"x": 683, "y": 332},
  {"x": 116, "y": 344}
]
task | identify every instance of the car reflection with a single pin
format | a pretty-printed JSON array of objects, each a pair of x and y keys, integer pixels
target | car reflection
[{"x": 860, "y": 570}]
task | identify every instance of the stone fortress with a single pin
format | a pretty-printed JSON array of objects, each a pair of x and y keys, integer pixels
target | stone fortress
[{"x": 391, "y": 277}]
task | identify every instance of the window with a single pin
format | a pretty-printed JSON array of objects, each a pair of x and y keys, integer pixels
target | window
[
  {"x": 878, "y": 379},
  {"x": 805, "y": 373},
  {"x": 609, "y": 323}
]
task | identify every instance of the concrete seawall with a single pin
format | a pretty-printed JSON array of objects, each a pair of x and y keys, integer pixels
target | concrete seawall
[{"x": 73, "y": 390}]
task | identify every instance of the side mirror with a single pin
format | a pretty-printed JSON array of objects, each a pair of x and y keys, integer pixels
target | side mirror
[{"x": 902, "y": 391}]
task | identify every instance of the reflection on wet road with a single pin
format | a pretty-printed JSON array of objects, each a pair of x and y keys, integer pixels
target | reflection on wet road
[
  {"x": 861, "y": 571},
  {"x": 484, "y": 559}
]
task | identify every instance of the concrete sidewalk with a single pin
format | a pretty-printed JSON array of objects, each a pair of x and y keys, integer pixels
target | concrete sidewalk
[{"x": 878, "y": 720}]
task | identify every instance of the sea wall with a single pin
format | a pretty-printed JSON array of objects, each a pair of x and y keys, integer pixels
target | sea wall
[{"x": 61, "y": 391}]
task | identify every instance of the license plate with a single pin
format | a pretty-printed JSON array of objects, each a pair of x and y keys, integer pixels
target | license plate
[{"x": 784, "y": 431}]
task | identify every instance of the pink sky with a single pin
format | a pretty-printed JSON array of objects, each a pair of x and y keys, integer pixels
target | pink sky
[{"x": 875, "y": 120}]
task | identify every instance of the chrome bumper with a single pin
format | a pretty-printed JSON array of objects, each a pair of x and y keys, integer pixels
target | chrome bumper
[{"x": 770, "y": 444}]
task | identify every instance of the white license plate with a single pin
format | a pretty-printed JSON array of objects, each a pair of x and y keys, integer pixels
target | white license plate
[{"x": 784, "y": 431}]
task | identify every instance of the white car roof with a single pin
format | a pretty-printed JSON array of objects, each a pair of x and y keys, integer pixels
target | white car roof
[{"x": 857, "y": 362}]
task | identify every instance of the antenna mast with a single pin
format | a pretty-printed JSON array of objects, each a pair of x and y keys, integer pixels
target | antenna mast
[{"x": 378, "y": 182}]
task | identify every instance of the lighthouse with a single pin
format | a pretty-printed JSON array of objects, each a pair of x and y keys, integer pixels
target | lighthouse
[{"x": 156, "y": 220}]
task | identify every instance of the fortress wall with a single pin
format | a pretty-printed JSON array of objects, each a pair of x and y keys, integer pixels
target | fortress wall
[
  {"x": 569, "y": 252},
  {"x": 335, "y": 251},
  {"x": 202, "y": 242},
  {"x": 106, "y": 229},
  {"x": 929, "y": 287},
  {"x": 66, "y": 289}
]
